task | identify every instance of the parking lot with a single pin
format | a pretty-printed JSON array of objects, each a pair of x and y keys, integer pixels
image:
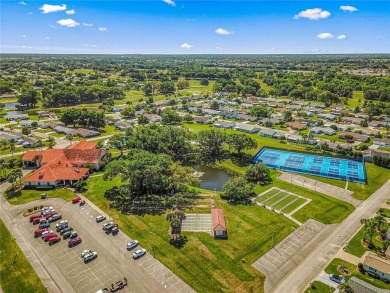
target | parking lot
[
  {"x": 197, "y": 223},
  {"x": 114, "y": 261},
  {"x": 281, "y": 259}
]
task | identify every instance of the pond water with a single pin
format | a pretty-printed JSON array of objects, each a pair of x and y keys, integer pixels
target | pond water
[
  {"x": 211, "y": 178},
  {"x": 10, "y": 105}
]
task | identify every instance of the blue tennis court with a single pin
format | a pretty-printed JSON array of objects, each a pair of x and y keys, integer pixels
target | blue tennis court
[{"x": 313, "y": 165}]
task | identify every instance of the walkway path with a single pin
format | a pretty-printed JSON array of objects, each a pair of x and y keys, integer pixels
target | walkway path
[
  {"x": 331, "y": 190},
  {"x": 315, "y": 262}
]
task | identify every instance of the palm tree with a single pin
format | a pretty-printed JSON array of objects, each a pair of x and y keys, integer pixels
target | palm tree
[
  {"x": 37, "y": 159},
  {"x": 380, "y": 220},
  {"x": 12, "y": 148},
  {"x": 385, "y": 245},
  {"x": 19, "y": 175},
  {"x": 345, "y": 288},
  {"x": 11, "y": 178},
  {"x": 70, "y": 138}
]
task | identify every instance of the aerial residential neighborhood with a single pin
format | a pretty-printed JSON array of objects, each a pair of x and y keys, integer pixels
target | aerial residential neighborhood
[{"x": 189, "y": 146}]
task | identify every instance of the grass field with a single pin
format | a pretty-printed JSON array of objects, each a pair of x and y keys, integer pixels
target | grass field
[
  {"x": 284, "y": 202},
  {"x": 294, "y": 205},
  {"x": 319, "y": 288},
  {"x": 277, "y": 197},
  {"x": 29, "y": 195},
  {"x": 205, "y": 264},
  {"x": 267, "y": 195},
  {"x": 19, "y": 276},
  {"x": 332, "y": 269}
]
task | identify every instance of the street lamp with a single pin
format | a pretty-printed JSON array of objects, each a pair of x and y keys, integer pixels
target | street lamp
[{"x": 273, "y": 233}]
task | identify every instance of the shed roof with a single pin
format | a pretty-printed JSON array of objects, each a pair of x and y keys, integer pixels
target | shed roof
[{"x": 218, "y": 219}]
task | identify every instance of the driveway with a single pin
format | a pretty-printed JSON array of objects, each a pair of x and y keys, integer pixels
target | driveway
[{"x": 324, "y": 278}]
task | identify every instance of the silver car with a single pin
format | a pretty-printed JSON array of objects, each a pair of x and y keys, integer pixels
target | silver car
[
  {"x": 139, "y": 253},
  {"x": 132, "y": 244}
]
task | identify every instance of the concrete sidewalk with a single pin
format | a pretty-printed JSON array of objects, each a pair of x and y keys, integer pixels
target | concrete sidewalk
[{"x": 331, "y": 190}]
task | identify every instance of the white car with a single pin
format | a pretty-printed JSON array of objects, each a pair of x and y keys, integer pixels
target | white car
[
  {"x": 85, "y": 252},
  {"x": 45, "y": 233},
  {"x": 139, "y": 253},
  {"x": 132, "y": 244},
  {"x": 90, "y": 256},
  {"x": 107, "y": 224},
  {"x": 100, "y": 218},
  {"x": 61, "y": 223}
]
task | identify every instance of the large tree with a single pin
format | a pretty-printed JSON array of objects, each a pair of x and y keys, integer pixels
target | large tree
[
  {"x": 211, "y": 144},
  {"x": 29, "y": 97},
  {"x": 240, "y": 142},
  {"x": 238, "y": 190},
  {"x": 258, "y": 173}
]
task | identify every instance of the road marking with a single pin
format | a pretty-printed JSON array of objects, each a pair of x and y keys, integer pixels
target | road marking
[{"x": 269, "y": 262}]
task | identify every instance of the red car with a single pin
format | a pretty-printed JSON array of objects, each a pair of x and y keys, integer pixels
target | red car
[
  {"x": 54, "y": 239},
  {"x": 35, "y": 216},
  {"x": 76, "y": 200},
  {"x": 48, "y": 236},
  {"x": 39, "y": 232},
  {"x": 74, "y": 241},
  {"x": 52, "y": 213},
  {"x": 37, "y": 220}
]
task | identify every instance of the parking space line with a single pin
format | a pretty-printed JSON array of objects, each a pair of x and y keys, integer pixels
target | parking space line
[
  {"x": 90, "y": 283},
  {"x": 177, "y": 281},
  {"x": 269, "y": 262},
  {"x": 173, "y": 275}
]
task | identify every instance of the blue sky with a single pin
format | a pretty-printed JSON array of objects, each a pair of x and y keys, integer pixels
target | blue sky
[{"x": 195, "y": 27}]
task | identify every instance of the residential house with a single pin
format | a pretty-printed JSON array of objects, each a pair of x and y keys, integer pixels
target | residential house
[
  {"x": 45, "y": 114},
  {"x": 28, "y": 123},
  {"x": 159, "y": 103},
  {"x": 314, "y": 110},
  {"x": 322, "y": 106},
  {"x": 13, "y": 117},
  {"x": 123, "y": 125},
  {"x": 119, "y": 108},
  {"x": 378, "y": 124},
  {"x": 328, "y": 116},
  {"x": 247, "y": 128},
  {"x": 377, "y": 265},
  {"x": 368, "y": 155},
  {"x": 365, "y": 130},
  {"x": 297, "y": 126},
  {"x": 355, "y": 136},
  {"x": 218, "y": 223},
  {"x": 333, "y": 146},
  {"x": 271, "y": 133},
  {"x": 28, "y": 142},
  {"x": 246, "y": 105},
  {"x": 210, "y": 112},
  {"x": 352, "y": 120},
  {"x": 224, "y": 124},
  {"x": 8, "y": 136},
  {"x": 63, "y": 166},
  {"x": 294, "y": 138},
  {"x": 308, "y": 122},
  {"x": 63, "y": 129},
  {"x": 111, "y": 120},
  {"x": 246, "y": 117},
  {"x": 52, "y": 125},
  {"x": 273, "y": 121},
  {"x": 153, "y": 117},
  {"x": 340, "y": 127},
  {"x": 360, "y": 286},
  {"x": 324, "y": 130},
  {"x": 84, "y": 132},
  {"x": 140, "y": 113},
  {"x": 382, "y": 142},
  {"x": 202, "y": 120}
]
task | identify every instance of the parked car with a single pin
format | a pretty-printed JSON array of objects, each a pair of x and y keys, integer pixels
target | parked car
[
  {"x": 37, "y": 220},
  {"x": 76, "y": 200},
  {"x": 337, "y": 279},
  {"x": 67, "y": 229},
  {"x": 64, "y": 226},
  {"x": 104, "y": 290},
  {"x": 82, "y": 202},
  {"x": 61, "y": 223},
  {"x": 100, "y": 218},
  {"x": 61, "y": 226},
  {"x": 45, "y": 233},
  {"x": 39, "y": 232},
  {"x": 85, "y": 252},
  {"x": 67, "y": 234},
  {"x": 90, "y": 256},
  {"x": 48, "y": 215},
  {"x": 139, "y": 253},
  {"x": 115, "y": 230},
  {"x": 35, "y": 216},
  {"x": 105, "y": 225},
  {"x": 109, "y": 228},
  {"x": 49, "y": 235},
  {"x": 118, "y": 285},
  {"x": 45, "y": 211},
  {"x": 74, "y": 241},
  {"x": 44, "y": 225},
  {"x": 54, "y": 239},
  {"x": 132, "y": 244},
  {"x": 55, "y": 217},
  {"x": 73, "y": 234}
]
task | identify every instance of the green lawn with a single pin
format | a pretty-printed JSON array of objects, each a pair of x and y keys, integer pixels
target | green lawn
[
  {"x": 319, "y": 288},
  {"x": 294, "y": 205},
  {"x": 19, "y": 276},
  {"x": 207, "y": 265},
  {"x": 284, "y": 202},
  {"x": 271, "y": 201},
  {"x": 267, "y": 195},
  {"x": 332, "y": 269},
  {"x": 32, "y": 194}
]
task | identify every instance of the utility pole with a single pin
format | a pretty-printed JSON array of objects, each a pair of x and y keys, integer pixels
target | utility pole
[
  {"x": 154, "y": 254},
  {"x": 273, "y": 233}
]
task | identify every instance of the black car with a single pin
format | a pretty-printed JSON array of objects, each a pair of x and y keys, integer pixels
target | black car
[
  {"x": 62, "y": 227},
  {"x": 54, "y": 218},
  {"x": 67, "y": 234},
  {"x": 67, "y": 229}
]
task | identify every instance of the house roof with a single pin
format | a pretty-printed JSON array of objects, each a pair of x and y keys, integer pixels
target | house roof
[
  {"x": 377, "y": 262},
  {"x": 84, "y": 145},
  {"x": 218, "y": 219}
]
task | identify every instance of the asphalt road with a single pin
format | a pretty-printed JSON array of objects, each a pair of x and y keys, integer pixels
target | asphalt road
[{"x": 299, "y": 279}]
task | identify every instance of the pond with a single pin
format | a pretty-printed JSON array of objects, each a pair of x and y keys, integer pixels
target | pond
[
  {"x": 10, "y": 105},
  {"x": 211, "y": 178}
]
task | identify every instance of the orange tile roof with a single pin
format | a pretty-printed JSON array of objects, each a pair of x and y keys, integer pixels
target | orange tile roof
[
  {"x": 84, "y": 145},
  {"x": 218, "y": 219},
  {"x": 83, "y": 156}
]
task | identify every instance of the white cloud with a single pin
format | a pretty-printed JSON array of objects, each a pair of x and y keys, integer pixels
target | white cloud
[
  {"x": 170, "y": 2},
  {"x": 102, "y": 29},
  {"x": 70, "y": 12},
  {"x": 342, "y": 37},
  {"x": 68, "y": 22},
  {"x": 88, "y": 45},
  {"x": 325, "y": 36},
  {"x": 47, "y": 8},
  {"x": 47, "y": 38},
  {"x": 24, "y": 36},
  {"x": 218, "y": 48},
  {"x": 186, "y": 46},
  {"x": 22, "y": 3},
  {"x": 348, "y": 8},
  {"x": 313, "y": 14},
  {"x": 225, "y": 32},
  {"x": 30, "y": 13},
  {"x": 191, "y": 19},
  {"x": 87, "y": 24},
  {"x": 24, "y": 47}
]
